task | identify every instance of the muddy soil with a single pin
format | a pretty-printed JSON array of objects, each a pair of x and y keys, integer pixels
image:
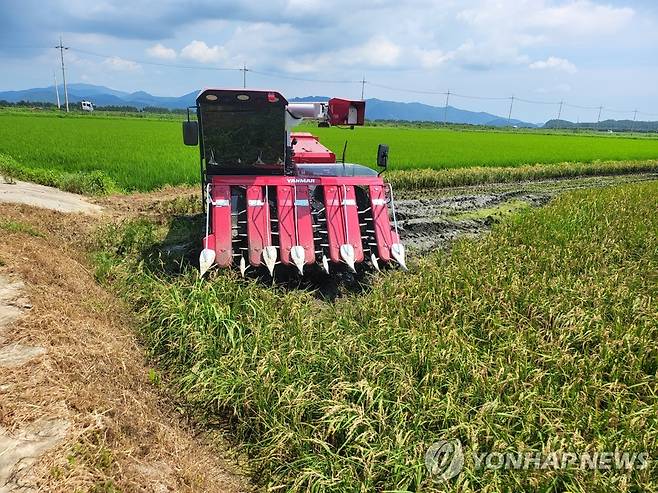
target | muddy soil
[{"x": 430, "y": 219}]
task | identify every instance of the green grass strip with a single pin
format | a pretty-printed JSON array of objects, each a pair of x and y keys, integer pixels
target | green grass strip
[
  {"x": 433, "y": 178},
  {"x": 88, "y": 183}
]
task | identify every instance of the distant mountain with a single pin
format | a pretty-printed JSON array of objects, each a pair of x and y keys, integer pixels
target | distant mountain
[
  {"x": 100, "y": 96},
  {"x": 376, "y": 109},
  {"x": 610, "y": 125}
]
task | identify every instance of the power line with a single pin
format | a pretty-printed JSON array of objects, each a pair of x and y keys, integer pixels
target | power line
[
  {"x": 530, "y": 101},
  {"x": 480, "y": 98},
  {"x": 362, "y": 82},
  {"x": 439, "y": 93},
  {"x": 303, "y": 79},
  {"x": 576, "y": 106},
  {"x": 397, "y": 89},
  {"x": 610, "y": 110}
]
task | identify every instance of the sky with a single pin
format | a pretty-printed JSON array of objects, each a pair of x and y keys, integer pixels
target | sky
[{"x": 583, "y": 52}]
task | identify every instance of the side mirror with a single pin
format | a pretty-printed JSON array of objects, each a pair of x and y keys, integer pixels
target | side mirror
[
  {"x": 191, "y": 133},
  {"x": 382, "y": 156}
]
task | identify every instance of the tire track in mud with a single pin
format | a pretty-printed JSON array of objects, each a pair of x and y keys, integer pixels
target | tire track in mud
[
  {"x": 431, "y": 219},
  {"x": 430, "y": 223}
]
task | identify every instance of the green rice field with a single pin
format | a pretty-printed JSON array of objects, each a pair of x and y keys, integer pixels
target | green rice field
[{"x": 144, "y": 154}]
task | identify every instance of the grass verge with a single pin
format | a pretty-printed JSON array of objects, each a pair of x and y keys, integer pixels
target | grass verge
[
  {"x": 538, "y": 337},
  {"x": 431, "y": 178},
  {"x": 89, "y": 183},
  {"x": 20, "y": 227}
]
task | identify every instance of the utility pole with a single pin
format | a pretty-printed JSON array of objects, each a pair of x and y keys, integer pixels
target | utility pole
[
  {"x": 61, "y": 49},
  {"x": 445, "y": 110},
  {"x": 509, "y": 117},
  {"x": 559, "y": 112},
  {"x": 634, "y": 118},
  {"x": 59, "y": 106},
  {"x": 598, "y": 119},
  {"x": 244, "y": 75},
  {"x": 363, "y": 87}
]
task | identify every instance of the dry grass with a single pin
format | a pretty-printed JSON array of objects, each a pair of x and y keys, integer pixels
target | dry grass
[{"x": 126, "y": 434}]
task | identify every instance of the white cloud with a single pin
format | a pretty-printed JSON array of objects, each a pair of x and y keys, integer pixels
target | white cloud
[
  {"x": 120, "y": 65},
  {"x": 161, "y": 51},
  {"x": 542, "y": 18},
  {"x": 554, "y": 63},
  {"x": 431, "y": 58},
  {"x": 377, "y": 52},
  {"x": 199, "y": 51},
  {"x": 485, "y": 55}
]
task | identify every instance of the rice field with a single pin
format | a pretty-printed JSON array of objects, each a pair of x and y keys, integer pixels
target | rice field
[
  {"x": 144, "y": 154},
  {"x": 540, "y": 337}
]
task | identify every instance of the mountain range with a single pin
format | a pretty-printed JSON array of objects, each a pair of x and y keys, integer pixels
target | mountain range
[{"x": 376, "y": 109}]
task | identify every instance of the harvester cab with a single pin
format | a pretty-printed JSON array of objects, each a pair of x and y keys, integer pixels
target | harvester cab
[{"x": 273, "y": 196}]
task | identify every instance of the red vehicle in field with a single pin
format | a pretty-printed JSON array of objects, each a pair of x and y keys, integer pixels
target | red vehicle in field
[{"x": 273, "y": 196}]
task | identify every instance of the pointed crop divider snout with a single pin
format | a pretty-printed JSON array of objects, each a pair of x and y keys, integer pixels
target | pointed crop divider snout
[
  {"x": 297, "y": 252},
  {"x": 375, "y": 262},
  {"x": 269, "y": 253},
  {"x": 347, "y": 254},
  {"x": 207, "y": 256},
  {"x": 269, "y": 258},
  {"x": 397, "y": 251},
  {"x": 206, "y": 259},
  {"x": 298, "y": 255}
]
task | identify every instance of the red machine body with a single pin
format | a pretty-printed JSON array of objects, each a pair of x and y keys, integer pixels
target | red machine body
[
  {"x": 307, "y": 149},
  {"x": 292, "y": 205}
]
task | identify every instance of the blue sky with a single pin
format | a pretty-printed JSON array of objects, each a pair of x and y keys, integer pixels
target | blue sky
[{"x": 585, "y": 52}]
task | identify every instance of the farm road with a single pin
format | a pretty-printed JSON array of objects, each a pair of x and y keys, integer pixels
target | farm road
[{"x": 21, "y": 192}]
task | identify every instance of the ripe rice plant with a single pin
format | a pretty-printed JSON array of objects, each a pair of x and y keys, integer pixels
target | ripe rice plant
[{"x": 540, "y": 336}]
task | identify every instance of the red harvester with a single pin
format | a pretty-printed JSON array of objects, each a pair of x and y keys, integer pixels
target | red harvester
[{"x": 274, "y": 196}]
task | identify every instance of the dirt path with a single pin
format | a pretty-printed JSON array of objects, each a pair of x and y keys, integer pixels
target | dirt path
[
  {"x": 21, "y": 192},
  {"x": 20, "y": 448},
  {"x": 81, "y": 409}
]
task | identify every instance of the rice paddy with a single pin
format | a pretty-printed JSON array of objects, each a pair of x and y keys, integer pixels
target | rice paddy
[{"x": 145, "y": 154}]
